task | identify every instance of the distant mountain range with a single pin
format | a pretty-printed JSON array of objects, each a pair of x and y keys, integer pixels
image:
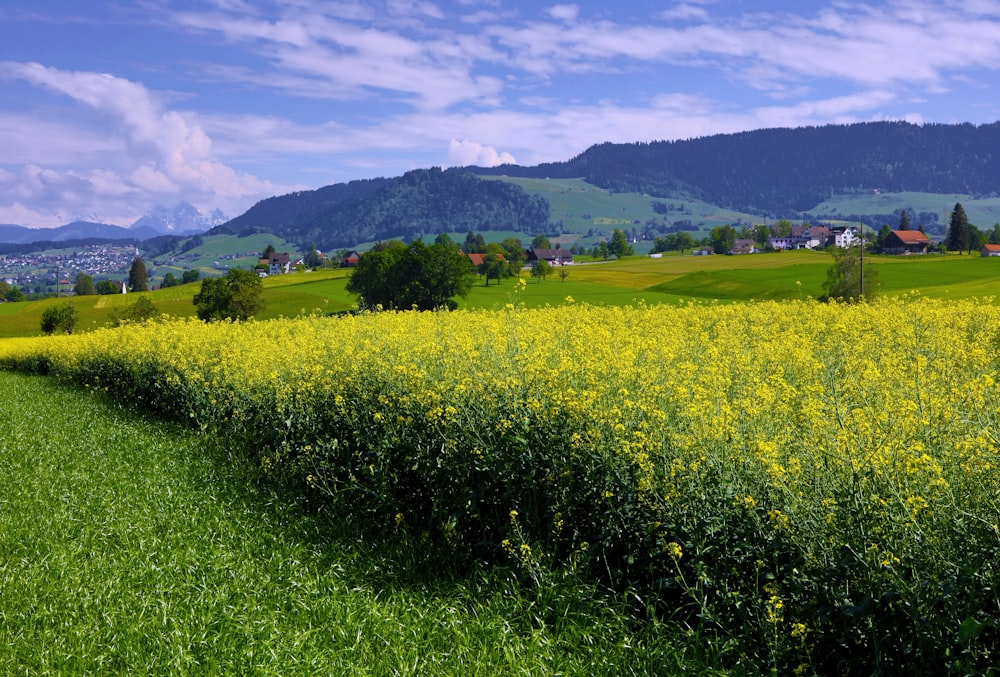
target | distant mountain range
[
  {"x": 421, "y": 202},
  {"x": 776, "y": 173},
  {"x": 182, "y": 219},
  {"x": 787, "y": 172}
]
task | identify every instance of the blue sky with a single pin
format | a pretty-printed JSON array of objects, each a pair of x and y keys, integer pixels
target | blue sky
[{"x": 108, "y": 108}]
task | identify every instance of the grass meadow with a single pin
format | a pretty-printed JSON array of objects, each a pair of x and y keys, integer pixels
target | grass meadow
[
  {"x": 670, "y": 280},
  {"x": 135, "y": 546}
]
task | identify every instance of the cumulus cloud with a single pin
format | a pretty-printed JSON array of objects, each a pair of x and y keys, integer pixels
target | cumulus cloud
[
  {"x": 464, "y": 153},
  {"x": 152, "y": 152}
]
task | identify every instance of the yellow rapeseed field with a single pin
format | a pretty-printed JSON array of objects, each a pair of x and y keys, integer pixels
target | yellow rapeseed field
[{"x": 814, "y": 478}]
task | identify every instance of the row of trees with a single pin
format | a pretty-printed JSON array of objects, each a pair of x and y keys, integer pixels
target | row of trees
[{"x": 235, "y": 296}]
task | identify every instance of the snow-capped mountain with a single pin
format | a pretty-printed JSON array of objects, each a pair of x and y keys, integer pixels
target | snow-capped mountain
[{"x": 181, "y": 219}]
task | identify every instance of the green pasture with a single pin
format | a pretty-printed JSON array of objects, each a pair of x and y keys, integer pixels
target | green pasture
[
  {"x": 982, "y": 212},
  {"x": 777, "y": 276},
  {"x": 571, "y": 199}
]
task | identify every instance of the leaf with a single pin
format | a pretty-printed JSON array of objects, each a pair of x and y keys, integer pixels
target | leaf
[{"x": 970, "y": 629}]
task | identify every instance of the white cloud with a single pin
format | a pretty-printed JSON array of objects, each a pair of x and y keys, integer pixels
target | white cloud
[
  {"x": 162, "y": 155},
  {"x": 464, "y": 153},
  {"x": 567, "y": 13}
]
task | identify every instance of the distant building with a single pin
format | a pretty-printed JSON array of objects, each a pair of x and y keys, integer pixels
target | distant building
[
  {"x": 555, "y": 257},
  {"x": 477, "y": 259},
  {"x": 990, "y": 250},
  {"x": 843, "y": 238},
  {"x": 744, "y": 246},
  {"x": 350, "y": 259},
  {"x": 278, "y": 264},
  {"x": 906, "y": 242}
]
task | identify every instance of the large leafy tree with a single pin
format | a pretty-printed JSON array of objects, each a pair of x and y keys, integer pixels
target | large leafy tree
[
  {"x": 722, "y": 239},
  {"x": 84, "y": 285},
  {"x": 137, "y": 280},
  {"x": 235, "y": 296},
  {"x": 59, "y": 318},
  {"x": 619, "y": 245},
  {"x": 396, "y": 276},
  {"x": 513, "y": 251},
  {"x": 493, "y": 267},
  {"x": 959, "y": 236}
]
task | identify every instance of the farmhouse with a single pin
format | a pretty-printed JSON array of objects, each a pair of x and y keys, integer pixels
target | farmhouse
[
  {"x": 843, "y": 238},
  {"x": 906, "y": 242},
  {"x": 555, "y": 257},
  {"x": 990, "y": 250},
  {"x": 477, "y": 259},
  {"x": 350, "y": 259},
  {"x": 743, "y": 246},
  {"x": 278, "y": 263}
]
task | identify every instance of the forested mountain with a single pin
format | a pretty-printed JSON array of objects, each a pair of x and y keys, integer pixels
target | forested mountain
[
  {"x": 421, "y": 202},
  {"x": 784, "y": 172}
]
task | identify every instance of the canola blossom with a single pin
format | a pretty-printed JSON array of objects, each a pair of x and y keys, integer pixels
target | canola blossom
[{"x": 821, "y": 480}]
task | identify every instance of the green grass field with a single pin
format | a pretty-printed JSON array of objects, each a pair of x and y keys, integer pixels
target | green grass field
[
  {"x": 671, "y": 279},
  {"x": 571, "y": 200},
  {"x": 129, "y": 546},
  {"x": 982, "y": 212}
]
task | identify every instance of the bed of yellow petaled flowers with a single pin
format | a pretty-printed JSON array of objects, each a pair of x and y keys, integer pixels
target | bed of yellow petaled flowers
[{"x": 818, "y": 483}]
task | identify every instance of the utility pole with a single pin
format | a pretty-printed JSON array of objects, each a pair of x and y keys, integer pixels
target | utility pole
[{"x": 862, "y": 260}]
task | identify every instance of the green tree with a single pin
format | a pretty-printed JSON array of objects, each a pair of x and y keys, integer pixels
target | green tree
[
  {"x": 883, "y": 236},
  {"x": 904, "y": 220},
  {"x": 106, "y": 287},
  {"x": 395, "y": 276},
  {"x": 847, "y": 279},
  {"x": 563, "y": 273},
  {"x": 959, "y": 236},
  {"x": 169, "y": 280},
  {"x": 137, "y": 280},
  {"x": 84, "y": 285},
  {"x": 783, "y": 228},
  {"x": 602, "y": 250},
  {"x": 977, "y": 239},
  {"x": 13, "y": 294},
  {"x": 189, "y": 276},
  {"x": 445, "y": 239},
  {"x": 619, "y": 245},
  {"x": 722, "y": 239},
  {"x": 513, "y": 251},
  {"x": 493, "y": 267},
  {"x": 761, "y": 234},
  {"x": 59, "y": 318},
  {"x": 540, "y": 242},
  {"x": 474, "y": 243},
  {"x": 268, "y": 252},
  {"x": 235, "y": 296},
  {"x": 994, "y": 234},
  {"x": 541, "y": 270},
  {"x": 313, "y": 259},
  {"x": 142, "y": 310}
]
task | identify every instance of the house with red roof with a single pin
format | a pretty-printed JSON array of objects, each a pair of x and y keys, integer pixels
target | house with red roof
[
  {"x": 906, "y": 242},
  {"x": 990, "y": 250}
]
